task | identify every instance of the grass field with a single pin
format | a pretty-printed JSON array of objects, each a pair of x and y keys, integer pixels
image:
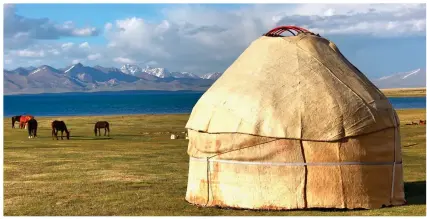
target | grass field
[
  {"x": 140, "y": 171},
  {"x": 405, "y": 92}
]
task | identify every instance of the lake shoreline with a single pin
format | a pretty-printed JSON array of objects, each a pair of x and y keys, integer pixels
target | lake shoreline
[
  {"x": 389, "y": 92},
  {"x": 404, "y": 92},
  {"x": 145, "y": 114},
  {"x": 129, "y": 103}
]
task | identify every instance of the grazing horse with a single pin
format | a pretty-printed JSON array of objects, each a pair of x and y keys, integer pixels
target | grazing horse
[
  {"x": 102, "y": 125},
  {"x": 15, "y": 119},
  {"x": 59, "y": 126},
  {"x": 23, "y": 121},
  {"x": 412, "y": 123},
  {"x": 32, "y": 128}
]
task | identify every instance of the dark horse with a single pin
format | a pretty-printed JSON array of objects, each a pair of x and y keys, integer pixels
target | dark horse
[
  {"x": 32, "y": 128},
  {"x": 59, "y": 126},
  {"x": 15, "y": 119},
  {"x": 102, "y": 125}
]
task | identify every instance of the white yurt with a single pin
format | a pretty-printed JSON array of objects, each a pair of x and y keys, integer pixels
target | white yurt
[{"x": 292, "y": 124}]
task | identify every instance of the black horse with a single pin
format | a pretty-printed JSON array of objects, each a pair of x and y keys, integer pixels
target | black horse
[
  {"x": 102, "y": 125},
  {"x": 15, "y": 119},
  {"x": 32, "y": 128},
  {"x": 59, "y": 126}
]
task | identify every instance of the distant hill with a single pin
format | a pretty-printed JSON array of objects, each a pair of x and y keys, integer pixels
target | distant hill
[
  {"x": 80, "y": 78},
  {"x": 412, "y": 79}
]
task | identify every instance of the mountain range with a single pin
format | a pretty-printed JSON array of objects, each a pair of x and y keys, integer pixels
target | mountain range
[
  {"x": 80, "y": 78},
  {"x": 410, "y": 79}
]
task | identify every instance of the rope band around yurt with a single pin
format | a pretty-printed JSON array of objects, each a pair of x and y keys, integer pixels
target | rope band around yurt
[
  {"x": 207, "y": 179},
  {"x": 394, "y": 157},
  {"x": 297, "y": 163}
]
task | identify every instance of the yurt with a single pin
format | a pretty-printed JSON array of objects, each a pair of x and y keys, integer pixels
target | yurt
[{"x": 292, "y": 124}]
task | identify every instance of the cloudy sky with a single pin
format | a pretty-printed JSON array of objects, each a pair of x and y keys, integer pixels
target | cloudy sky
[{"x": 379, "y": 39}]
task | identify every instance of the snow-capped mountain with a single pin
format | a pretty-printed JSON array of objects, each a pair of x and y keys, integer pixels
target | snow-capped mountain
[
  {"x": 131, "y": 69},
  {"x": 165, "y": 73},
  {"x": 106, "y": 70},
  {"x": 97, "y": 74},
  {"x": 183, "y": 75},
  {"x": 84, "y": 74},
  {"x": 44, "y": 70},
  {"x": 136, "y": 71},
  {"x": 410, "y": 79},
  {"x": 46, "y": 77},
  {"x": 80, "y": 78},
  {"x": 158, "y": 72},
  {"x": 212, "y": 76}
]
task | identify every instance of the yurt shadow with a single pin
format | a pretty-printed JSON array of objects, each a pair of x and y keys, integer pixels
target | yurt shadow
[
  {"x": 79, "y": 137},
  {"x": 415, "y": 192},
  {"x": 47, "y": 146}
]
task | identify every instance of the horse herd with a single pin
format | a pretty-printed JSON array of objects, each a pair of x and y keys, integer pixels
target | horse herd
[{"x": 28, "y": 122}]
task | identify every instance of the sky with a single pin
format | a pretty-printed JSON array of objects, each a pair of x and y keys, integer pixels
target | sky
[{"x": 380, "y": 39}]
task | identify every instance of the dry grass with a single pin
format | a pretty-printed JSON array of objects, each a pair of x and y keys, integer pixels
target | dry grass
[
  {"x": 140, "y": 171},
  {"x": 405, "y": 92}
]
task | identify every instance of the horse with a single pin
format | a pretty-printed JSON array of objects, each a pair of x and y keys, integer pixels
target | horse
[
  {"x": 412, "y": 123},
  {"x": 23, "y": 121},
  {"x": 422, "y": 122},
  {"x": 32, "y": 128},
  {"x": 15, "y": 119},
  {"x": 59, "y": 126},
  {"x": 102, "y": 125}
]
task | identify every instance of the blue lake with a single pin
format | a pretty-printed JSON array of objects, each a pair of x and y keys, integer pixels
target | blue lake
[{"x": 127, "y": 102}]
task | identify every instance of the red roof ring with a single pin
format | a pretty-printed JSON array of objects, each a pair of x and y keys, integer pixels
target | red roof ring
[{"x": 278, "y": 30}]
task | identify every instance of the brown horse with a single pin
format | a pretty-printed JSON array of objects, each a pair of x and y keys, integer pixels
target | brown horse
[
  {"x": 102, "y": 125},
  {"x": 23, "y": 121},
  {"x": 59, "y": 126},
  {"x": 15, "y": 119}
]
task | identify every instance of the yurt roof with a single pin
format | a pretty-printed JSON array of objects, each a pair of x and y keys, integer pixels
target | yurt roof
[{"x": 296, "y": 87}]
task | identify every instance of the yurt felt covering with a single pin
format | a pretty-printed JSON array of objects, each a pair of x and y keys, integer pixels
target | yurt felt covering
[{"x": 292, "y": 124}]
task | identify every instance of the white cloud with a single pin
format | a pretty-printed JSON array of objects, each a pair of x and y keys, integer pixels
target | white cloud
[
  {"x": 54, "y": 51},
  {"x": 41, "y": 28},
  {"x": 329, "y": 12},
  {"x": 8, "y": 61},
  {"x": 123, "y": 60},
  {"x": 30, "y": 53},
  {"x": 152, "y": 63},
  {"x": 212, "y": 37},
  {"x": 84, "y": 45},
  {"x": 75, "y": 61},
  {"x": 88, "y": 31},
  {"x": 108, "y": 26},
  {"x": 35, "y": 62},
  {"x": 95, "y": 56},
  {"x": 203, "y": 39},
  {"x": 67, "y": 46}
]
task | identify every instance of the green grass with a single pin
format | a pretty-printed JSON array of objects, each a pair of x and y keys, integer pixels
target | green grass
[{"x": 140, "y": 171}]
